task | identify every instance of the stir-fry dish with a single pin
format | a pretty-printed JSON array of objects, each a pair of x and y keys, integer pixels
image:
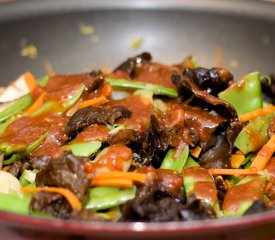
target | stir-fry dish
[{"x": 145, "y": 142}]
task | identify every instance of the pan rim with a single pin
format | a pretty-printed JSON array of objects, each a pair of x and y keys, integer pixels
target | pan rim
[{"x": 11, "y": 9}]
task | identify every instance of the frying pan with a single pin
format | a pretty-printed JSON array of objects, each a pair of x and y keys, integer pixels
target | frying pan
[{"x": 242, "y": 31}]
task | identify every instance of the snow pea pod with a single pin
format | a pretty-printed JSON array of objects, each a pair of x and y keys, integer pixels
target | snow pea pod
[
  {"x": 246, "y": 95},
  {"x": 254, "y": 135},
  {"x": 247, "y": 191},
  {"x": 101, "y": 198},
  {"x": 138, "y": 85},
  {"x": 171, "y": 163},
  {"x": 199, "y": 182},
  {"x": 20, "y": 150},
  {"x": 14, "y": 204},
  {"x": 21, "y": 103},
  {"x": 84, "y": 149}
]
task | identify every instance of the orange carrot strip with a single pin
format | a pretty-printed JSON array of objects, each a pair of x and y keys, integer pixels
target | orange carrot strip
[
  {"x": 93, "y": 102},
  {"x": 69, "y": 195},
  {"x": 32, "y": 84},
  {"x": 113, "y": 182},
  {"x": 134, "y": 176},
  {"x": 37, "y": 104},
  {"x": 260, "y": 112},
  {"x": 221, "y": 171},
  {"x": 264, "y": 155},
  {"x": 196, "y": 151},
  {"x": 6, "y": 168},
  {"x": 237, "y": 160}
]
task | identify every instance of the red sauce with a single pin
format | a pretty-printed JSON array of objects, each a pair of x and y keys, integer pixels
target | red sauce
[
  {"x": 62, "y": 87},
  {"x": 141, "y": 111},
  {"x": 256, "y": 139},
  {"x": 170, "y": 180},
  {"x": 55, "y": 140},
  {"x": 117, "y": 158},
  {"x": 154, "y": 73},
  {"x": 204, "y": 123},
  {"x": 198, "y": 173},
  {"x": 205, "y": 190},
  {"x": 94, "y": 132},
  {"x": 250, "y": 191},
  {"x": 25, "y": 130},
  {"x": 118, "y": 74},
  {"x": 270, "y": 187}
]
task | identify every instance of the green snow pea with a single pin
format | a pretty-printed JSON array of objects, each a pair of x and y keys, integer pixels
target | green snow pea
[
  {"x": 254, "y": 135},
  {"x": 71, "y": 101},
  {"x": 20, "y": 150},
  {"x": 195, "y": 179},
  {"x": 169, "y": 161},
  {"x": 84, "y": 149},
  {"x": 253, "y": 187},
  {"x": 245, "y": 96},
  {"x": 101, "y": 198},
  {"x": 191, "y": 162},
  {"x": 21, "y": 103},
  {"x": 14, "y": 204},
  {"x": 137, "y": 85}
]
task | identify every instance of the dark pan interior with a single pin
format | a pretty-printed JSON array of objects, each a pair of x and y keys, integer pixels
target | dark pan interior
[{"x": 247, "y": 42}]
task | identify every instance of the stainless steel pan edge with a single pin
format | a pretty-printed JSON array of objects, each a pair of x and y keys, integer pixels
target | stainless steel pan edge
[{"x": 26, "y": 8}]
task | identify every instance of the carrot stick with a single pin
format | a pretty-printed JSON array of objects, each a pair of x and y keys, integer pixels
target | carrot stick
[
  {"x": 260, "y": 112},
  {"x": 133, "y": 176},
  {"x": 264, "y": 155},
  {"x": 93, "y": 102},
  {"x": 32, "y": 84},
  {"x": 221, "y": 171},
  {"x": 113, "y": 182},
  {"x": 237, "y": 160},
  {"x": 37, "y": 104},
  {"x": 69, "y": 195},
  {"x": 195, "y": 152}
]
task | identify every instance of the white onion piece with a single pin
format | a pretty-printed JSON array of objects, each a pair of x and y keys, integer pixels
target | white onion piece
[{"x": 9, "y": 183}]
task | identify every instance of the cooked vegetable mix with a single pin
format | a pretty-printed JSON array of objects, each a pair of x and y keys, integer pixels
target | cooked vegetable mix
[{"x": 146, "y": 142}]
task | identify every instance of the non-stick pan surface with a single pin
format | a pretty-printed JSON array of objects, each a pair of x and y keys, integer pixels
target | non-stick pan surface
[
  {"x": 170, "y": 32},
  {"x": 243, "y": 32}
]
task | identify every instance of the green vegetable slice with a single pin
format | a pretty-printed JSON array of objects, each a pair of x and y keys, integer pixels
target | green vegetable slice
[
  {"x": 169, "y": 161},
  {"x": 254, "y": 135},
  {"x": 101, "y": 198},
  {"x": 9, "y": 203},
  {"x": 84, "y": 149},
  {"x": 137, "y": 85},
  {"x": 21, "y": 103},
  {"x": 245, "y": 96}
]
